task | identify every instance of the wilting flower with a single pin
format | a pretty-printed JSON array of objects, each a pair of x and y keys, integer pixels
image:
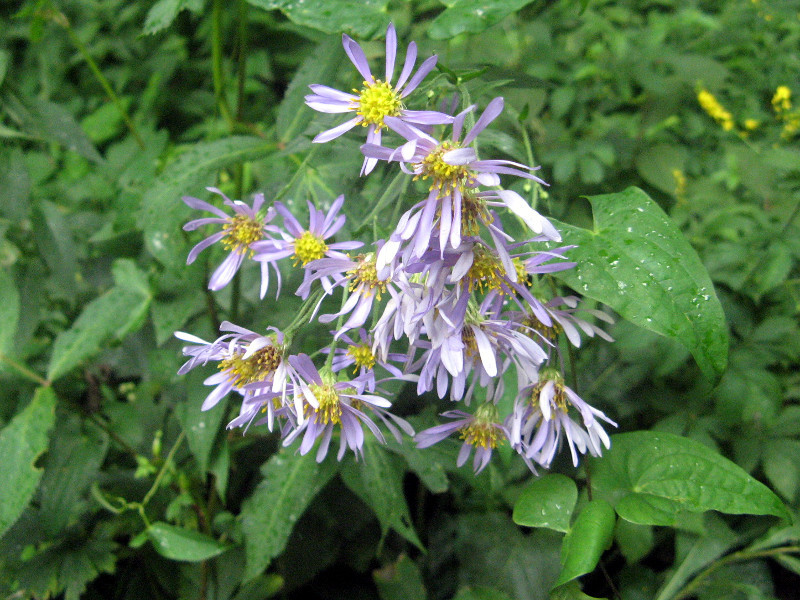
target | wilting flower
[
  {"x": 542, "y": 416},
  {"x": 480, "y": 431},
  {"x": 378, "y": 98},
  {"x": 305, "y": 245},
  {"x": 239, "y": 232}
]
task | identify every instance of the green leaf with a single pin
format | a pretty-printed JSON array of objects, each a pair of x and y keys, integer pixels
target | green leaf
[
  {"x": 362, "y": 18},
  {"x": 651, "y": 477},
  {"x": 657, "y": 166},
  {"x": 401, "y": 580},
  {"x": 112, "y": 316},
  {"x": 201, "y": 426},
  {"x": 320, "y": 66},
  {"x": 585, "y": 543},
  {"x": 162, "y": 14},
  {"x": 637, "y": 262},
  {"x": 176, "y": 543},
  {"x": 15, "y": 183},
  {"x": 471, "y": 16},
  {"x": 570, "y": 591},
  {"x": 5, "y": 60},
  {"x": 480, "y": 593},
  {"x": 378, "y": 481},
  {"x": 547, "y": 502},
  {"x": 9, "y": 312},
  {"x": 22, "y": 441},
  {"x": 163, "y": 213},
  {"x": 290, "y": 483},
  {"x": 780, "y": 466}
]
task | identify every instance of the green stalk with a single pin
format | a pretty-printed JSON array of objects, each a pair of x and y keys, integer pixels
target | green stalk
[
  {"x": 23, "y": 370},
  {"x": 217, "y": 71}
]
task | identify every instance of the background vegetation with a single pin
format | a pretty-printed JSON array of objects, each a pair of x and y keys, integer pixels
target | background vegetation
[{"x": 116, "y": 485}]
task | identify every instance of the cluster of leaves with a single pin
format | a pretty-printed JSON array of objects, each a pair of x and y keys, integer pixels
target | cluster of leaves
[{"x": 116, "y": 485}]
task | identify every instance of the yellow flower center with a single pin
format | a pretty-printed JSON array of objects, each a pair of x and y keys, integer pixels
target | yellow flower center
[
  {"x": 483, "y": 431},
  {"x": 446, "y": 177},
  {"x": 486, "y": 272},
  {"x": 329, "y": 410},
  {"x": 308, "y": 247},
  {"x": 559, "y": 401},
  {"x": 257, "y": 367},
  {"x": 377, "y": 100},
  {"x": 468, "y": 338},
  {"x": 362, "y": 356},
  {"x": 240, "y": 232},
  {"x": 473, "y": 213},
  {"x": 365, "y": 276},
  {"x": 549, "y": 333}
]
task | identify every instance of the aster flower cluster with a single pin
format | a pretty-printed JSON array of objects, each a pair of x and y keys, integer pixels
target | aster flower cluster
[{"x": 449, "y": 301}]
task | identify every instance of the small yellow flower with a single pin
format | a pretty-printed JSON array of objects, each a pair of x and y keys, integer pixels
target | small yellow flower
[
  {"x": 680, "y": 183},
  {"x": 715, "y": 110},
  {"x": 750, "y": 124},
  {"x": 782, "y": 100}
]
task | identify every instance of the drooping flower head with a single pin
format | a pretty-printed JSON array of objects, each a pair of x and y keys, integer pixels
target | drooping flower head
[
  {"x": 247, "y": 226},
  {"x": 377, "y": 99}
]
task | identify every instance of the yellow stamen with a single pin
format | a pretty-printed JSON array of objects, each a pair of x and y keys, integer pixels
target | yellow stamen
[
  {"x": 256, "y": 367},
  {"x": 329, "y": 410},
  {"x": 486, "y": 272},
  {"x": 365, "y": 276},
  {"x": 362, "y": 357},
  {"x": 240, "y": 232},
  {"x": 308, "y": 247},
  {"x": 483, "y": 430},
  {"x": 446, "y": 177},
  {"x": 377, "y": 100}
]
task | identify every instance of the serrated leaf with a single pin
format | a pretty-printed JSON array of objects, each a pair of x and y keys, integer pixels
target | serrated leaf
[
  {"x": 163, "y": 214},
  {"x": 22, "y": 441},
  {"x": 362, "y": 18},
  {"x": 378, "y": 481},
  {"x": 637, "y": 262},
  {"x": 161, "y": 15},
  {"x": 590, "y": 536},
  {"x": 112, "y": 316},
  {"x": 547, "y": 502},
  {"x": 673, "y": 473},
  {"x": 9, "y": 312},
  {"x": 290, "y": 483},
  {"x": 471, "y": 16},
  {"x": 176, "y": 543}
]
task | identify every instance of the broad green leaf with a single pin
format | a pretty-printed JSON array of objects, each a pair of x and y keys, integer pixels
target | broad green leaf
[
  {"x": 9, "y": 312},
  {"x": 5, "y": 59},
  {"x": 51, "y": 232},
  {"x": 171, "y": 315},
  {"x": 201, "y": 426},
  {"x": 471, "y": 16},
  {"x": 780, "y": 466},
  {"x": 378, "y": 481},
  {"x": 547, "y": 502},
  {"x": 163, "y": 213},
  {"x": 15, "y": 183},
  {"x": 637, "y": 262},
  {"x": 590, "y": 536},
  {"x": 163, "y": 13},
  {"x": 290, "y": 483},
  {"x": 400, "y": 580},
  {"x": 319, "y": 67},
  {"x": 570, "y": 591},
  {"x": 106, "y": 122},
  {"x": 112, "y": 316},
  {"x": 669, "y": 474},
  {"x": 73, "y": 463},
  {"x": 176, "y": 543},
  {"x": 480, "y": 593},
  {"x": 22, "y": 441},
  {"x": 658, "y": 165},
  {"x": 362, "y": 18},
  {"x": 634, "y": 541}
]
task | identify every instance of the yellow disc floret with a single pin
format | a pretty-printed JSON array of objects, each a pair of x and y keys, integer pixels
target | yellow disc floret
[
  {"x": 486, "y": 272},
  {"x": 364, "y": 277},
  {"x": 308, "y": 247},
  {"x": 483, "y": 430},
  {"x": 240, "y": 232},
  {"x": 329, "y": 410},
  {"x": 559, "y": 401},
  {"x": 446, "y": 177},
  {"x": 362, "y": 356},
  {"x": 377, "y": 100},
  {"x": 256, "y": 367}
]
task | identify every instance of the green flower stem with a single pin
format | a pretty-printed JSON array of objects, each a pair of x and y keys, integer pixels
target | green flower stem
[
  {"x": 305, "y": 312},
  {"x": 167, "y": 463},
  {"x": 297, "y": 173},
  {"x": 62, "y": 20},
  {"x": 397, "y": 186},
  {"x": 241, "y": 64},
  {"x": 217, "y": 71},
  {"x": 742, "y": 555},
  {"x": 23, "y": 370}
]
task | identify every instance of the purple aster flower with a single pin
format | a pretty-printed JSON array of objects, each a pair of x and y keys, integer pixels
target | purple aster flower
[
  {"x": 305, "y": 245},
  {"x": 245, "y": 358},
  {"x": 481, "y": 431},
  {"x": 542, "y": 417},
  {"x": 330, "y": 403},
  {"x": 239, "y": 233},
  {"x": 455, "y": 173},
  {"x": 359, "y": 354},
  {"x": 378, "y": 99}
]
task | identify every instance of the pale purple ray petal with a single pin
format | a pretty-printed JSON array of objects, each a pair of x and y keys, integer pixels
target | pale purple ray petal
[
  {"x": 373, "y": 151},
  {"x": 492, "y": 111},
  {"x": 197, "y": 223},
  {"x": 198, "y": 204},
  {"x": 325, "y": 105},
  {"x": 485, "y": 351},
  {"x": 407, "y": 131},
  {"x": 391, "y": 51},
  {"x": 225, "y": 272},
  {"x": 328, "y": 92},
  {"x": 329, "y": 218},
  {"x": 427, "y": 117},
  {"x": 425, "y": 68},
  {"x": 327, "y": 136},
  {"x": 459, "y": 156},
  {"x": 212, "y": 239},
  {"x": 458, "y": 122},
  {"x": 356, "y": 55},
  {"x": 455, "y": 232},
  {"x": 408, "y": 66},
  {"x": 215, "y": 396}
]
